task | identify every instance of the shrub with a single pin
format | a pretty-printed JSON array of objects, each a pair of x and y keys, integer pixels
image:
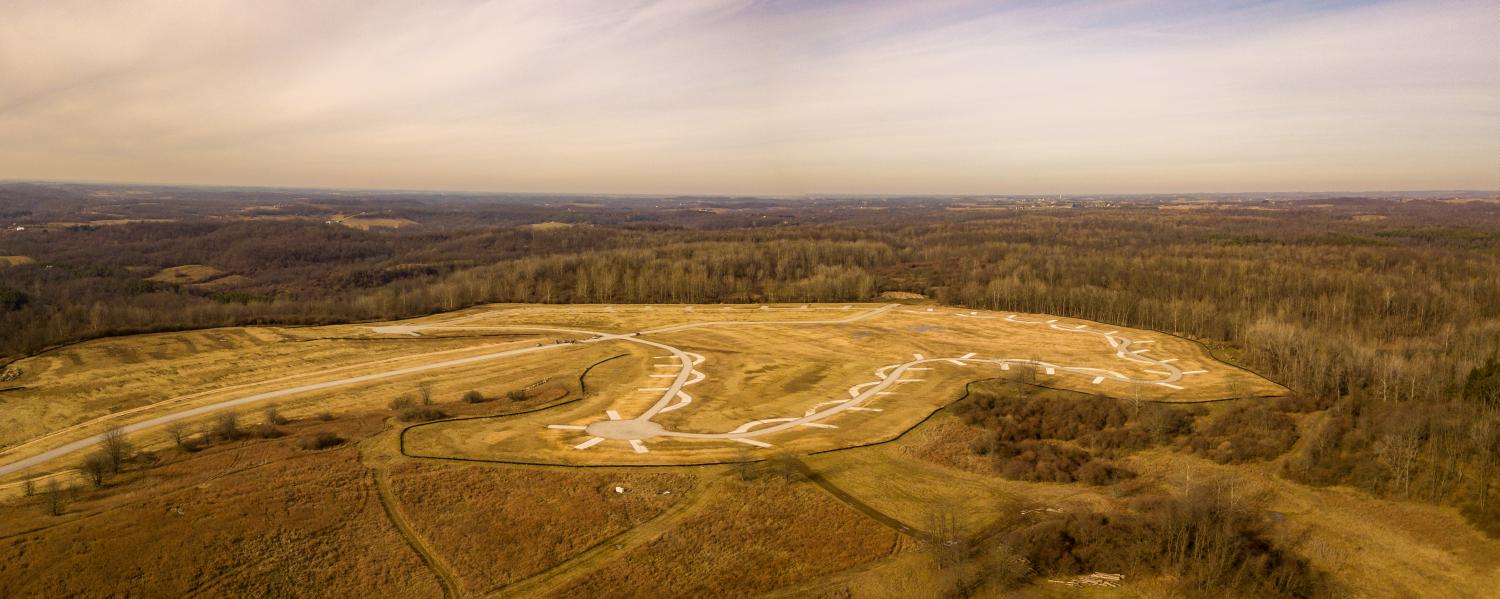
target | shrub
[
  {"x": 325, "y": 416},
  {"x": 97, "y": 467},
  {"x": 1040, "y": 461},
  {"x": 1215, "y": 542},
  {"x": 516, "y": 395},
  {"x": 266, "y": 430},
  {"x": 115, "y": 449},
  {"x": 421, "y": 414},
  {"x": 1100, "y": 473},
  {"x": 474, "y": 397},
  {"x": 321, "y": 440},
  {"x": 227, "y": 427},
  {"x": 402, "y": 403},
  {"x": 1245, "y": 433},
  {"x": 273, "y": 416}
]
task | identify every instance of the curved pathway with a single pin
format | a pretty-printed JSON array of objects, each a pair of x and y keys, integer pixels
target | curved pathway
[{"x": 641, "y": 427}]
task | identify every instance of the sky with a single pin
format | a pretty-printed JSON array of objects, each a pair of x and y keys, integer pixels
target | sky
[{"x": 755, "y": 96}]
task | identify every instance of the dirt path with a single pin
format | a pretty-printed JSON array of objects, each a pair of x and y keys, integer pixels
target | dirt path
[
  {"x": 640, "y": 428},
  {"x": 558, "y": 576},
  {"x": 392, "y": 506},
  {"x": 854, "y": 502}
]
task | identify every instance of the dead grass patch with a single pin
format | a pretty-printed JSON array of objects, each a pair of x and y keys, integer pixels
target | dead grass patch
[
  {"x": 498, "y": 525},
  {"x": 261, "y": 518},
  {"x": 755, "y": 538}
]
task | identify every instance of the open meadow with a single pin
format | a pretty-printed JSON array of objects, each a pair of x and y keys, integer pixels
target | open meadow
[{"x": 676, "y": 450}]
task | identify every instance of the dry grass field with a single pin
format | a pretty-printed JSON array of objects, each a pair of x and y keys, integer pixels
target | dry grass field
[
  {"x": 498, "y": 525},
  {"x": 132, "y": 378},
  {"x": 757, "y": 362},
  {"x": 783, "y": 360},
  {"x": 15, "y": 260},
  {"x": 246, "y": 519},
  {"x": 789, "y": 533},
  {"x": 267, "y": 517}
]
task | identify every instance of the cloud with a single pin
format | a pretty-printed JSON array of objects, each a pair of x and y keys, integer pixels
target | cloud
[{"x": 754, "y": 97}]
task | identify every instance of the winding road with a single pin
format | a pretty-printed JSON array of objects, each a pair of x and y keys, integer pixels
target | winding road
[{"x": 641, "y": 427}]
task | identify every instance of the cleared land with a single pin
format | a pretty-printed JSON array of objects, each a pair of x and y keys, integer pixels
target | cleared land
[
  {"x": 186, "y": 274},
  {"x": 700, "y": 383},
  {"x": 267, "y": 516},
  {"x": 273, "y": 521}
]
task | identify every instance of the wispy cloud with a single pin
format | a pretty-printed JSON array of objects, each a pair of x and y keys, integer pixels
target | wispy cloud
[{"x": 762, "y": 97}]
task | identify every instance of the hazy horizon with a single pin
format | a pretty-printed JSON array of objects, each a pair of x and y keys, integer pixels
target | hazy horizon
[
  {"x": 811, "y": 194},
  {"x": 755, "y": 98}
]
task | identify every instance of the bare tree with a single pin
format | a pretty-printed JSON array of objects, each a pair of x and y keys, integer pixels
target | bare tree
[
  {"x": 273, "y": 415},
  {"x": 28, "y": 487},
  {"x": 1483, "y": 438},
  {"x": 227, "y": 426},
  {"x": 97, "y": 468},
  {"x": 744, "y": 466},
  {"x": 424, "y": 394},
  {"x": 53, "y": 499},
  {"x": 1137, "y": 390},
  {"x": 115, "y": 449},
  {"x": 953, "y": 551},
  {"x": 1399, "y": 452},
  {"x": 786, "y": 465},
  {"x": 177, "y": 431}
]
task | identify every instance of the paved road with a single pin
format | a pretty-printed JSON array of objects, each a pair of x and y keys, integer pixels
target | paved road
[
  {"x": 214, "y": 407},
  {"x": 595, "y": 337}
]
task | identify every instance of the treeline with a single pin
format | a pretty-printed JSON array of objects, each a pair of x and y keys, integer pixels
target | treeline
[{"x": 1375, "y": 311}]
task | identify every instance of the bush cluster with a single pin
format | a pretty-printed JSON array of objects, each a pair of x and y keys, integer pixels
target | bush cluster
[
  {"x": 1245, "y": 433},
  {"x": 321, "y": 440},
  {"x": 1044, "y": 435},
  {"x": 1213, "y": 543}
]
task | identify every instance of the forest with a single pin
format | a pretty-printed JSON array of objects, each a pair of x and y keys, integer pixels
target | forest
[{"x": 1381, "y": 314}]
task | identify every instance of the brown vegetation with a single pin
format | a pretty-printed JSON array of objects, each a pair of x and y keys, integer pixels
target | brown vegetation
[
  {"x": 790, "y": 532},
  {"x": 1214, "y": 543},
  {"x": 498, "y": 525},
  {"x": 261, "y": 519}
]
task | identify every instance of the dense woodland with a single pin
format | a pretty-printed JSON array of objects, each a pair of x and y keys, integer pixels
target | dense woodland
[{"x": 1382, "y": 314}]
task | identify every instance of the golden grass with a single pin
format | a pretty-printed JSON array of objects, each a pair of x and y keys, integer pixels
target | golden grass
[
  {"x": 625, "y": 318},
  {"x": 1375, "y": 547},
  {"x": 256, "y": 519},
  {"x": 757, "y": 370},
  {"x": 754, "y": 538},
  {"x": 16, "y": 260},
  {"x": 920, "y": 494},
  {"x": 760, "y": 371},
  {"x": 498, "y": 525},
  {"x": 87, "y": 388}
]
